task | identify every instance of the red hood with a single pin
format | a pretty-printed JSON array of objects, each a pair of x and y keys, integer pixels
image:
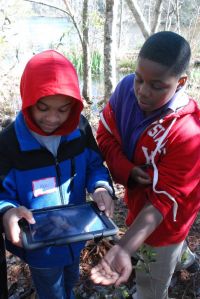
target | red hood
[
  {"x": 50, "y": 73},
  {"x": 191, "y": 108}
]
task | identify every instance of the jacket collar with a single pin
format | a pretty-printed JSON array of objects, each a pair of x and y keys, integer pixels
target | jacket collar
[{"x": 26, "y": 140}]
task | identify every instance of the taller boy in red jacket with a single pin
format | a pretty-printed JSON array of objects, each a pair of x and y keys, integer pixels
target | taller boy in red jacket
[{"x": 149, "y": 134}]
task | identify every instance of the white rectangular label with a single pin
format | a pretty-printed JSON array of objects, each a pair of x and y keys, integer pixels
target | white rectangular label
[{"x": 44, "y": 186}]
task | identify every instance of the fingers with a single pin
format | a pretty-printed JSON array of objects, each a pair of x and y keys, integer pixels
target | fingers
[
  {"x": 25, "y": 213},
  {"x": 11, "y": 226},
  {"x": 109, "y": 207},
  {"x": 115, "y": 267},
  {"x": 100, "y": 203},
  {"x": 124, "y": 276},
  {"x": 142, "y": 173},
  {"x": 13, "y": 234},
  {"x": 104, "y": 201},
  {"x": 144, "y": 181},
  {"x": 102, "y": 274},
  {"x": 140, "y": 176}
]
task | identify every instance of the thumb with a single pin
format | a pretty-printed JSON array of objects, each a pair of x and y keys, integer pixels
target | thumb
[
  {"x": 27, "y": 214},
  {"x": 123, "y": 277}
]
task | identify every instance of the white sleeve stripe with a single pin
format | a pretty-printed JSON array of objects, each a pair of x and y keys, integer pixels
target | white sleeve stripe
[{"x": 105, "y": 123}]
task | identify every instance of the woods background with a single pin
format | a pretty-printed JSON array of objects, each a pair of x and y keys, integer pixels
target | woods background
[{"x": 101, "y": 38}]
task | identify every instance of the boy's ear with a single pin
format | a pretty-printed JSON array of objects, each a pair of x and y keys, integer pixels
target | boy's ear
[{"x": 181, "y": 81}]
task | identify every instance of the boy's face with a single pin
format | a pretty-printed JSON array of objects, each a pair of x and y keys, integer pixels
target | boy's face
[
  {"x": 50, "y": 112},
  {"x": 154, "y": 85}
]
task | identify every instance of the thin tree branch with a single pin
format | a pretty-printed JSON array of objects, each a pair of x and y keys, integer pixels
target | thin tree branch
[
  {"x": 72, "y": 16},
  {"x": 65, "y": 12},
  {"x": 49, "y": 5}
]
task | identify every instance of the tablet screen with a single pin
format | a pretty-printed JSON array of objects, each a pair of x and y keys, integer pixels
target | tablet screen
[{"x": 53, "y": 224}]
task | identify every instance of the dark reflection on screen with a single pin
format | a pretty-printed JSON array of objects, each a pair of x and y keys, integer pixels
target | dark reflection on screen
[{"x": 71, "y": 221}]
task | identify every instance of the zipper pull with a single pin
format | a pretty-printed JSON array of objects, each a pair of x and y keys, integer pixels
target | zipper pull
[{"x": 58, "y": 167}]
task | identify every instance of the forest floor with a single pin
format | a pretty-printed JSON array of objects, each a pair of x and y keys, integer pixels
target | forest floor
[{"x": 185, "y": 285}]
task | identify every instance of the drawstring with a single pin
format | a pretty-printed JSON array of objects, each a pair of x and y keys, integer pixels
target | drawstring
[{"x": 155, "y": 175}]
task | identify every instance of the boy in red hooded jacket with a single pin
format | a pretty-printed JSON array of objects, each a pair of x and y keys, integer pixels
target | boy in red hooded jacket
[
  {"x": 149, "y": 134},
  {"x": 49, "y": 158}
]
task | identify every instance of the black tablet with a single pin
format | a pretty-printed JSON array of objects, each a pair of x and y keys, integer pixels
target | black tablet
[{"x": 66, "y": 224}]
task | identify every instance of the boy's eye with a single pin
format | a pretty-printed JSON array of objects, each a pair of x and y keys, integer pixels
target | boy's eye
[
  {"x": 138, "y": 79},
  {"x": 157, "y": 86},
  {"x": 65, "y": 109},
  {"x": 41, "y": 107}
]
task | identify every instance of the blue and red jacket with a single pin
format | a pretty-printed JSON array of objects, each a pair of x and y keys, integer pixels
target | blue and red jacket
[
  {"x": 30, "y": 175},
  {"x": 78, "y": 167}
]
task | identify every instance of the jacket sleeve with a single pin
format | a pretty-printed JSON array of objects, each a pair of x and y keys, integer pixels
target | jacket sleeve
[
  {"x": 8, "y": 190},
  {"x": 8, "y": 194},
  {"x": 179, "y": 169},
  {"x": 97, "y": 174},
  {"x": 111, "y": 149}
]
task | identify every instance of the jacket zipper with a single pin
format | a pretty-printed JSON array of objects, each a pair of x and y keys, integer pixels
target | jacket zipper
[{"x": 58, "y": 174}]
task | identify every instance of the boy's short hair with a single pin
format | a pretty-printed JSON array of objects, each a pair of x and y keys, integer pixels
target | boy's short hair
[{"x": 169, "y": 49}]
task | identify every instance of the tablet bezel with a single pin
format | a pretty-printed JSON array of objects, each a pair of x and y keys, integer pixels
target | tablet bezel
[{"x": 28, "y": 242}]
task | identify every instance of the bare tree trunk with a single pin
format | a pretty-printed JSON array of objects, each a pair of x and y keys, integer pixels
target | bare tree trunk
[
  {"x": 109, "y": 47},
  {"x": 149, "y": 13},
  {"x": 136, "y": 11},
  {"x": 87, "y": 80},
  {"x": 172, "y": 13},
  {"x": 177, "y": 15},
  {"x": 120, "y": 23},
  {"x": 167, "y": 22},
  {"x": 157, "y": 16}
]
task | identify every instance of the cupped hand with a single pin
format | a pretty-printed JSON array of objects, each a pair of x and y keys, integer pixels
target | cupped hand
[
  {"x": 104, "y": 201},
  {"x": 11, "y": 226},
  {"x": 115, "y": 268}
]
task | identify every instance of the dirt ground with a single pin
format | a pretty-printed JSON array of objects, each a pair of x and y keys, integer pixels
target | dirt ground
[{"x": 185, "y": 285}]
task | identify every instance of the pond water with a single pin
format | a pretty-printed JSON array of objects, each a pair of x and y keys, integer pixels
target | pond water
[
  {"x": 32, "y": 35},
  {"x": 43, "y": 32}
]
